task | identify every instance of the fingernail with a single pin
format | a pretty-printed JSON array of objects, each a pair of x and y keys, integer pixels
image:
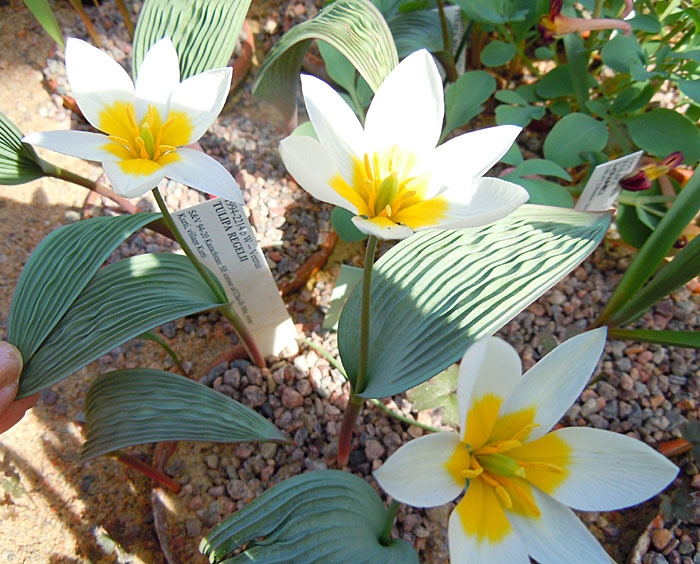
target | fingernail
[{"x": 10, "y": 364}]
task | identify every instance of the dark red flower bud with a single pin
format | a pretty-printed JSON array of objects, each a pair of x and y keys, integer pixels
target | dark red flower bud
[{"x": 636, "y": 182}]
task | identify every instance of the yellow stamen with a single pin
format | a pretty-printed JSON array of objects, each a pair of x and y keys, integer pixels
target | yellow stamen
[
  {"x": 124, "y": 143},
  {"x": 472, "y": 473},
  {"x": 521, "y": 493},
  {"x": 524, "y": 432},
  {"x": 542, "y": 466},
  {"x": 500, "y": 490}
]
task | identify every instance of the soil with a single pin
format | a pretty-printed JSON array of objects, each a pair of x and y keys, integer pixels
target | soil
[{"x": 57, "y": 509}]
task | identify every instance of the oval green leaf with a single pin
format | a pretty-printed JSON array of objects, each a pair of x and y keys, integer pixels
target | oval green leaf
[
  {"x": 131, "y": 407},
  {"x": 497, "y": 53},
  {"x": 342, "y": 222},
  {"x": 464, "y": 97},
  {"x": 661, "y": 131},
  {"x": 315, "y": 518},
  {"x": 122, "y": 301},
  {"x": 572, "y": 135},
  {"x": 436, "y": 292}
]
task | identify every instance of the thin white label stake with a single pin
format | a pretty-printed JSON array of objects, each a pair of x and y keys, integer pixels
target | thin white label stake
[
  {"x": 603, "y": 188},
  {"x": 221, "y": 237}
]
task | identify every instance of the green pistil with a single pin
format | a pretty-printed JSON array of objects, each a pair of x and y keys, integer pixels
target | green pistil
[{"x": 501, "y": 465}]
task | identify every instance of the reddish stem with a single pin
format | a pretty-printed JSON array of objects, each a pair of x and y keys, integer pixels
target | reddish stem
[
  {"x": 146, "y": 469},
  {"x": 346, "y": 429}
]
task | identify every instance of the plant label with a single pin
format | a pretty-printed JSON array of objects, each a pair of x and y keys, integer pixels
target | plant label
[
  {"x": 603, "y": 188},
  {"x": 221, "y": 237}
]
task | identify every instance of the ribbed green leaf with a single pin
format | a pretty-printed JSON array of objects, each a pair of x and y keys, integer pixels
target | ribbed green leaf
[
  {"x": 204, "y": 31},
  {"x": 122, "y": 301},
  {"x": 438, "y": 291},
  {"x": 58, "y": 270},
  {"x": 315, "y": 518},
  {"x": 681, "y": 213},
  {"x": 354, "y": 27},
  {"x": 44, "y": 15},
  {"x": 418, "y": 29},
  {"x": 19, "y": 163},
  {"x": 689, "y": 339},
  {"x": 683, "y": 268},
  {"x": 130, "y": 407}
]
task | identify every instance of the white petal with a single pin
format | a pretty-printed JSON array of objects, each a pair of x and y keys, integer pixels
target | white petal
[
  {"x": 336, "y": 125},
  {"x": 557, "y": 535},
  {"x": 387, "y": 230},
  {"x": 312, "y": 167},
  {"x": 201, "y": 97},
  {"x": 487, "y": 200},
  {"x": 97, "y": 80},
  {"x": 131, "y": 185},
  {"x": 609, "y": 471},
  {"x": 472, "y": 154},
  {"x": 159, "y": 74},
  {"x": 416, "y": 473},
  {"x": 468, "y": 548},
  {"x": 489, "y": 368},
  {"x": 81, "y": 144},
  {"x": 554, "y": 383},
  {"x": 200, "y": 171},
  {"x": 408, "y": 107}
]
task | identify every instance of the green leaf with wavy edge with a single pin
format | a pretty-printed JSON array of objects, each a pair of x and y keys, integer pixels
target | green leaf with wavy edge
[
  {"x": 45, "y": 16},
  {"x": 689, "y": 339},
  {"x": 131, "y": 407},
  {"x": 315, "y": 518},
  {"x": 684, "y": 267},
  {"x": 437, "y": 292},
  {"x": 204, "y": 32},
  {"x": 19, "y": 162},
  {"x": 58, "y": 270},
  {"x": 680, "y": 214},
  {"x": 122, "y": 301},
  {"x": 355, "y": 27}
]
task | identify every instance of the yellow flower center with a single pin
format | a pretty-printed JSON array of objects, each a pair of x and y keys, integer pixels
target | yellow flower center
[
  {"x": 499, "y": 468},
  {"x": 143, "y": 147},
  {"x": 383, "y": 190}
]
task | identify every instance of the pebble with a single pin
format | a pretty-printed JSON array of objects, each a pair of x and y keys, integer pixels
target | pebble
[{"x": 291, "y": 398}]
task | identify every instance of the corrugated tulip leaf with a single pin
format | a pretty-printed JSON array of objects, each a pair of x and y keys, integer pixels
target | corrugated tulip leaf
[
  {"x": 437, "y": 292},
  {"x": 315, "y": 518},
  {"x": 131, "y": 407},
  {"x": 204, "y": 32},
  {"x": 58, "y": 270},
  {"x": 45, "y": 16},
  {"x": 122, "y": 301},
  {"x": 19, "y": 162},
  {"x": 355, "y": 27}
]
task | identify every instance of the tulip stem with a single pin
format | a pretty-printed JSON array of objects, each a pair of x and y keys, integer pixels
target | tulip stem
[
  {"x": 447, "y": 59},
  {"x": 365, "y": 320},
  {"x": 225, "y": 308},
  {"x": 355, "y": 402},
  {"x": 403, "y": 418},
  {"x": 391, "y": 512},
  {"x": 62, "y": 174}
]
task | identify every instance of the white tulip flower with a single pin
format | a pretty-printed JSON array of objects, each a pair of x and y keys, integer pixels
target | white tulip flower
[
  {"x": 519, "y": 477},
  {"x": 390, "y": 173},
  {"x": 147, "y": 125}
]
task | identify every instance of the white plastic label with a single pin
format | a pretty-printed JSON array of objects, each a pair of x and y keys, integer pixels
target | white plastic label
[
  {"x": 603, "y": 188},
  {"x": 221, "y": 237}
]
